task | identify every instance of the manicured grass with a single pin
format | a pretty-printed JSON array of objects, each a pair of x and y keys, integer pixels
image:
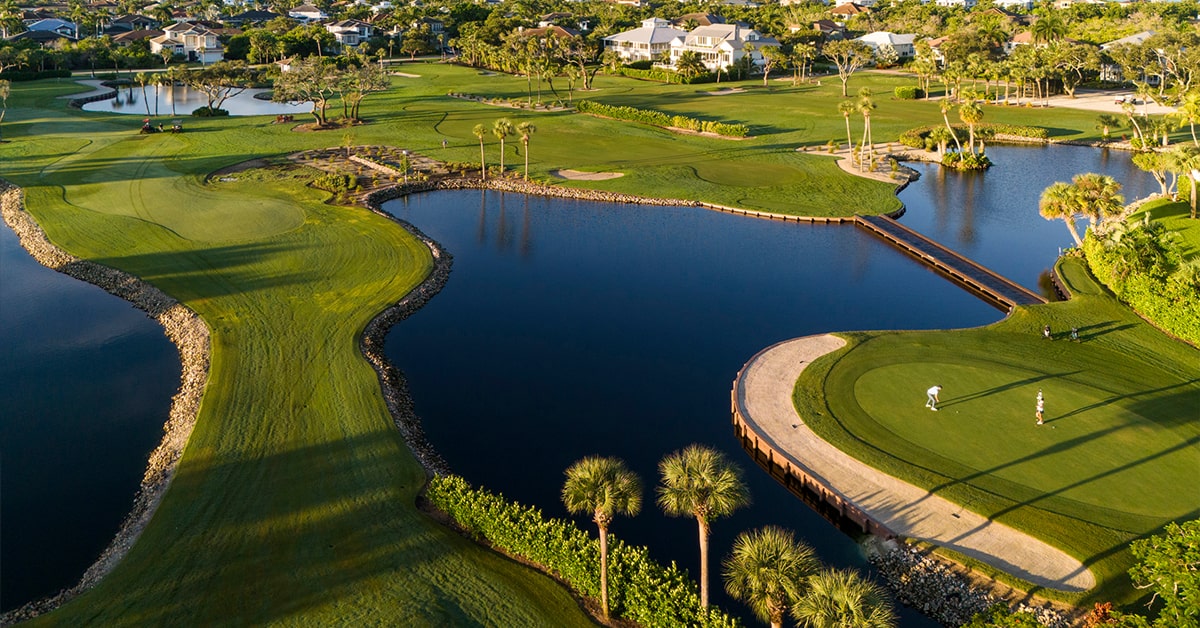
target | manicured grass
[
  {"x": 1176, "y": 217},
  {"x": 1114, "y": 462},
  {"x": 294, "y": 499}
]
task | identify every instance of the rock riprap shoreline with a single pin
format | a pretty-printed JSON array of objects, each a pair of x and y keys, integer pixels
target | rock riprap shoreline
[{"x": 182, "y": 326}]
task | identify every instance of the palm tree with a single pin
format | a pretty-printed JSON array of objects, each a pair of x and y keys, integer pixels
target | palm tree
[
  {"x": 1058, "y": 201},
  {"x": 946, "y": 106},
  {"x": 141, "y": 78},
  {"x": 1105, "y": 122},
  {"x": 971, "y": 113},
  {"x": 847, "y": 107},
  {"x": 700, "y": 482},
  {"x": 843, "y": 599},
  {"x": 767, "y": 570},
  {"x": 604, "y": 487},
  {"x": 689, "y": 64},
  {"x": 5, "y": 90},
  {"x": 1185, "y": 161},
  {"x": 1189, "y": 111},
  {"x": 481, "y": 132},
  {"x": 1098, "y": 196},
  {"x": 1048, "y": 28},
  {"x": 865, "y": 105},
  {"x": 502, "y": 129},
  {"x": 526, "y": 129}
]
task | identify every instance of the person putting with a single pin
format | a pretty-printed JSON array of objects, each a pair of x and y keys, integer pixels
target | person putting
[
  {"x": 1041, "y": 407},
  {"x": 932, "y": 400}
]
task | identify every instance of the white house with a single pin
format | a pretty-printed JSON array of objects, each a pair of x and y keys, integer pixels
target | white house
[
  {"x": 902, "y": 44},
  {"x": 721, "y": 45},
  {"x": 350, "y": 32},
  {"x": 966, "y": 4},
  {"x": 307, "y": 13},
  {"x": 646, "y": 43},
  {"x": 194, "y": 42},
  {"x": 1136, "y": 39}
]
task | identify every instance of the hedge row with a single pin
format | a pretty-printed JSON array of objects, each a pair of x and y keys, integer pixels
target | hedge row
[
  {"x": 639, "y": 589},
  {"x": 908, "y": 92},
  {"x": 665, "y": 76},
  {"x": 33, "y": 75},
  {"x": 916, "y": 137},
  {"x": 658, "y": 118},
  {"x": 1171, "y": 304}
]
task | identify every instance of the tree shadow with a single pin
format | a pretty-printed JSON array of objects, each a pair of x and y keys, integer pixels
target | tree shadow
[{"x": 952, "y": 401}]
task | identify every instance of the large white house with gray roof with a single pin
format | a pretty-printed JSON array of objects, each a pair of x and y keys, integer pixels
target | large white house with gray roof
[
  {"x": 647, "y": 43},
  {"x": 722, "y": 45}
]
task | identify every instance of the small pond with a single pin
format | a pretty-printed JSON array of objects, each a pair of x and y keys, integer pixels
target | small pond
[{"x": 180, "y": 100}]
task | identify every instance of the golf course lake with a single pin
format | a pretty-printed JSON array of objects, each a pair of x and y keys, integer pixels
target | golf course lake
[
  {"x": 567, "y": 329},
  {"x": 183, "y": 100}
]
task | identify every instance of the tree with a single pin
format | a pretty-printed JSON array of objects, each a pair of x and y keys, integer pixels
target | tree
[
  {"x": 310, "y": 80},
  {"x": 1098, "y": 196},
  {"x": 1070, "y": 61},
  {"x": 224, "y": 80},
  {"x": 767, "y": 570},
  {"x": 946, "y": 106},
  {"x": 1049, "y": 27},
  {"x": 1189, "y": 111},
  {"x": 843, "y": 599},
  {"x": 865, "y": 106},
  {"x": 481, "y": 132},
  {"x": 700, "y": 482},
  {"x": 1105, "y": 122},
  {"x": 502, "y": 129},
  {"x": 689, "y": 64},
  {"x": 772, "y": 56},
  {"x": 971, "y": 113},
  {"x": 1185, "y": 161},
  {"x": 848, "y": 55},
  {"x": 802, "y": 54},
  {"x": 526, "y": 129},
  {"x": 356, "y": 83},
  {"x": 847, "y": 107},
  {"x": 5, "y": 90},
  {"x": 1157, "y": 164},
  {"x": 1058, "y": 202},
  {"x": 604, "y": 488},
  {"x": 141, "y": 78}
]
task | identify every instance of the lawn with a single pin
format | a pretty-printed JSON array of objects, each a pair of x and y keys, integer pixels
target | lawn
[
  {"x": 294, "y": 499},
  {"x": 1115, "y": 460}
]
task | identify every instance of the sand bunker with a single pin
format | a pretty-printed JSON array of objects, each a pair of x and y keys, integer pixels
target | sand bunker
[{"x": 576, "y": 175}]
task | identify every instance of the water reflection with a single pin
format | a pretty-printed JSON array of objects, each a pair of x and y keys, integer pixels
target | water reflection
[{"x": 179, "y": 100}]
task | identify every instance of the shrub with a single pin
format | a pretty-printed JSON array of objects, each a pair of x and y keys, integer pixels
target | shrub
[
  {"x": 332, "y": 182},
  {"x": 966, "y": 161},
  {"x": 664, "y": 76},
  {"x": 644, "y": 64},
  {"x": 658, "y": 118},
  {"x": 205, "y": 112},
  {"x": 916, "y": 137},
  {"x": 33, "y": 75},
  {"x": 641, "y": 590},
  {"x": 908, "y": 92}
]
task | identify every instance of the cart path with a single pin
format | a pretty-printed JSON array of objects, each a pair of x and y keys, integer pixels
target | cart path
[{"x": 763, "y": 394}]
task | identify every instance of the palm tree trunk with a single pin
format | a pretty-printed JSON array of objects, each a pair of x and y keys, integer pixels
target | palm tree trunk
[
  {"x": 501, "y": 155},
  {"x": 1074, "y": 232},
  {"x": 703, "y": 562},
  {"x": 482, "y": 161},
  {"x": 849, "y": 138},
  {"x": 526, "y": 160},
  {"x": 604, "y": 571}
]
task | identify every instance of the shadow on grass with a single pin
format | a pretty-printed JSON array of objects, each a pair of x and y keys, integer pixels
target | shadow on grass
[{"x": 1004, "y": 387}]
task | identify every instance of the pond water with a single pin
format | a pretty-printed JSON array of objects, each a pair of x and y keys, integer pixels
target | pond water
[
  {"x": 85, "y": 384},
  {"x": 566, "y": 329},
  {"x": 180, "y": 100}
]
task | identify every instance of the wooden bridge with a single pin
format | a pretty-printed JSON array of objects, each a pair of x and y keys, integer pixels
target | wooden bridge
[{"x": 1001, "y": 292}]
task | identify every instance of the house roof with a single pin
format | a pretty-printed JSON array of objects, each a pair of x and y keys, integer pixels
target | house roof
[
  {"x": 553, "y": 30},
  {"x": 130, "y": 18},
  {"x": 648, "y": 34},
  {"x": 50, "y": 24},
  {"x": 1136, "y": 39},
  {"x": 733, "y": 34},
  {"x": 881, "y": 38},
  {"x": 137, "y": 35},
  {"x": 701, "y": 19},
  {"x": 849, "y": 8},
  {"x": 43, "y": 37}
]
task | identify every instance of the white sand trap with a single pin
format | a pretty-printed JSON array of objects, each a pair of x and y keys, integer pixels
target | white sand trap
[
  {"x": 577, "y": 175},
  {"x": 726, "y": 92},
  {"x": 406, "y": 75}
]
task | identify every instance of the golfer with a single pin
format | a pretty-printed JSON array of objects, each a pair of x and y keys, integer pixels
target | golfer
[
  {"x": 1041, "y": 406},
  {"x": 932, "y": 401}
]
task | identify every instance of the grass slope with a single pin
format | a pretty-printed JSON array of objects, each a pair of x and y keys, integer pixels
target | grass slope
[
  {"x": 1112, "y": 463},
  {"x": 294, "y": 502}
]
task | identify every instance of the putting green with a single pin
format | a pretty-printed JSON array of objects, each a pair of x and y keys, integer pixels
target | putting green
[{"x": 1095, "y": 447}]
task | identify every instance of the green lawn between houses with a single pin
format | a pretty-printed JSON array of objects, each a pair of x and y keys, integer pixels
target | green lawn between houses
[
  {"x": 294, "y": 497},
  {"x": 1116, "y": 459}
]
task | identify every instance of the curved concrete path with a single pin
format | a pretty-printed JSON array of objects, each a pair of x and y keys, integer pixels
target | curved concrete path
[{"x": 764, "y": 397}]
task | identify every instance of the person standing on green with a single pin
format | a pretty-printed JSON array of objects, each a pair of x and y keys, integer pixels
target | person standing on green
[
  {"x": 1041, "y": 406},
  {"x": 932, "y": 401}
]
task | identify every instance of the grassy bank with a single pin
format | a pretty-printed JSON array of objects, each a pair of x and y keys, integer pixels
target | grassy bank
[{"x": 1119, "y": 440}]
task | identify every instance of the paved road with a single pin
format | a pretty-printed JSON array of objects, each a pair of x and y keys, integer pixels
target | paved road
[{"x": 764, "y": 395}]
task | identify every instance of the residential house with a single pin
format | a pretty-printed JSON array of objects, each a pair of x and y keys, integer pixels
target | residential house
[
  {"x": 902, "y": 44},
  {"x": 1018, "y": 19},
  {"x": 692, "y": 20},
  {"x": 193, "y": 41},
  {"x": 647, "y": 43},
  {"x": 308, "y": 13},
  {"x": 721, "y": 46},
  {"x": 62, "y": 28},
  {"x": 849, "y": 9},
  {"x": 1112, "y": 71},
  {"x": 965, "y": 4},
  {"x": 828, "y": 29},
  {"x": 350, "y": 32},
  {"x": 126, "y": 38},
  {"x": 1136, "y": 39},
  {"x": 130, "y": 22}
]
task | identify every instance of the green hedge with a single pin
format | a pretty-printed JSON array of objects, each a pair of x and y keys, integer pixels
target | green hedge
[
  {"x": 908, "y": 92},
  {"x": 33, "y": 75},
  {"x": 640, "y": 589},
  {"x": 335, "y": 182},
  {"x": 916, "y": 137},
  {"x": 1171, "y": 304},
  {"x": 665, "y": 76},
  {"x": 658, "y": 118}
]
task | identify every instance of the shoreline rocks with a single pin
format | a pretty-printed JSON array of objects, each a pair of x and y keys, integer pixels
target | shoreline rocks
[{"x": 182, "y": 326}]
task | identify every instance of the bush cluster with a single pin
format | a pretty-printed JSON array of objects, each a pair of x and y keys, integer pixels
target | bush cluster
[
  {"x": 332, "y": 182},
  {"x": 1147, "y": 273},
  {"x": 205, "y": 112},
  {"x": 658, "y": 118},
  {"x": 640, "y": 589},
  {"x": 33, "y": 75},
  {"x": 908, "y": 92},
  {"x": 966, "y": 161},
  {"x": 665, "y": 76}
]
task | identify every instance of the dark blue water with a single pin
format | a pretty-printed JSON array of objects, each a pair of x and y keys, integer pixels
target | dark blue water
[{"x": 85, "y": 385}]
